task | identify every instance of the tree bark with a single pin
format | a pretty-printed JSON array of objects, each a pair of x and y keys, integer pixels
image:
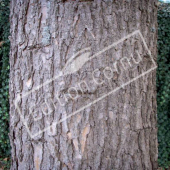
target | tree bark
[{"x": 117, "y": 132}]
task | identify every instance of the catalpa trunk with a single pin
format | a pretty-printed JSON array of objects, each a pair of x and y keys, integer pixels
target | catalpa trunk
[{"x": 83, "y": 85}]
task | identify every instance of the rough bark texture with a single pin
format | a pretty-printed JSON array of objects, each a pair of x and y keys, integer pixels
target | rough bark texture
[{"x": 118, "y": 132}]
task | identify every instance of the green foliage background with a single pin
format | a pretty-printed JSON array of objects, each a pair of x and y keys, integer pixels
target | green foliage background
[
  {"x": 163, "y": 82},
  {"x": 4, "y": 78},
  {"x": 163, "y": 85}
]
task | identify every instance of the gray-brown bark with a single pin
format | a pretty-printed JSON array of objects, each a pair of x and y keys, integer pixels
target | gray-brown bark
[{"x": 118, "y": 132}]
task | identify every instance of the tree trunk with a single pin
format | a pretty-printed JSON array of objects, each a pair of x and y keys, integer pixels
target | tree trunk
[{"x": 83, "y": 85}]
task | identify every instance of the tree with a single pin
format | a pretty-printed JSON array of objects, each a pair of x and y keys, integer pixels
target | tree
[{"x": 82, "y": 85}]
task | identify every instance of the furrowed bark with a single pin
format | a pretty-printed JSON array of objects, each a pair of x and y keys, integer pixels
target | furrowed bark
[{"x": 118, "y": 132}]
